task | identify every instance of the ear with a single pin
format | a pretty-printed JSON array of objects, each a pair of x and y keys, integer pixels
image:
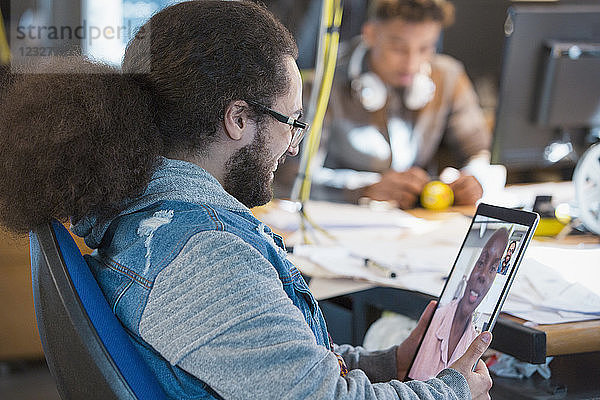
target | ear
[
  {"x": 236, "y": 120},
  {"x": 369, "y": 33}
]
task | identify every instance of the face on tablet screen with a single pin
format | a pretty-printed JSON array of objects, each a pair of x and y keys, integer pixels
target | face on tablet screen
[{"x": 474, "y": 287}]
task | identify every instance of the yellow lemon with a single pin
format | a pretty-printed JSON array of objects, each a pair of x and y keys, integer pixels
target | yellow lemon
[{"x": 437, "y": 195}]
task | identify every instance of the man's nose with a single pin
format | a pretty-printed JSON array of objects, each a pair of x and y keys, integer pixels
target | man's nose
[{"x": 413, "y": 63}]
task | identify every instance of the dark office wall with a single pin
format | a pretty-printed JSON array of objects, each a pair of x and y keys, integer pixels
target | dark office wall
[
  {"x": 477, "y": 36},
  {"x": 302, "y": 18},
  {"x": 5, "y": 7}
]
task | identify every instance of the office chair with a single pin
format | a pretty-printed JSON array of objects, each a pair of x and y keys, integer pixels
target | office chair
[{"x": 89, "y": 354}]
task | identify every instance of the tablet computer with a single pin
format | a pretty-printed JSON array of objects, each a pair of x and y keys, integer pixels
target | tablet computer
[{"x": 476, "y": 287}]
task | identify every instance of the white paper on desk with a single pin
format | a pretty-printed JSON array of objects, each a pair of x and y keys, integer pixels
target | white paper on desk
[
  {"x": 556, "y": 284},
  {"x": 335, "y": 259},
  {"x": 573, "y": 263},
  {"x": 532, "y": 313},
  {"x": 448, "y": 232},
  {"x": 421, "y": 260},
  {"x": 419, "y": 269},
  {"x": 340, "y": 216}
]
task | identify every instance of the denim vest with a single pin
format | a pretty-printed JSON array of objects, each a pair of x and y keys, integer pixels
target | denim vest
[{"x": 136, "y": 246}]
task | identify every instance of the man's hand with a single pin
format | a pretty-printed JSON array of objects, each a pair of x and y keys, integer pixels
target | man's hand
[
  {"x": 467, "y": 190},
  {"x": 406, "y": 351},
  {"x": 479, "y": 380},
  {"x": 403, "y": 188}
]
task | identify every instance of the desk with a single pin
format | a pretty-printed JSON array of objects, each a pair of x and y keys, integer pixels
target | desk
[
  {"x": 350, "y": 307},
  {"x": 360, "y": 304},
  {"x": 544, "y": 340}
]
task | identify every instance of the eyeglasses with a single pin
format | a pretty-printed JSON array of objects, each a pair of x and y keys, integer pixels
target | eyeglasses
[{"x": 298, "y": 128}]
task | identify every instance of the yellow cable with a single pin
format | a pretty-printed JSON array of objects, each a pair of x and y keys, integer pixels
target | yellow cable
[
  {"x": 317, "y": 121},
  {"x": 327, "y": 19},
  {"x": 325, "y": 91},
  {"x": 318, "y": 227},
  {"x": 337, "y": 21},
  {"x": 4, "y": 48},
  {"x": 332, "y": 15}
]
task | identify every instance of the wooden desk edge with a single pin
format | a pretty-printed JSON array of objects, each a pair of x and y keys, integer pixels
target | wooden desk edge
[{"x": 569, "y": 337}]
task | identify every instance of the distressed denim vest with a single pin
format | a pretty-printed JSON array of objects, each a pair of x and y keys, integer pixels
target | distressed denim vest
[{"x": 182, "y": 200}]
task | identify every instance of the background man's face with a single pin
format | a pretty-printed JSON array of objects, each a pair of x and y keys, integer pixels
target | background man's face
[
  {"x": 400, "y": 48},
  {"x": 483, "y": 274}
]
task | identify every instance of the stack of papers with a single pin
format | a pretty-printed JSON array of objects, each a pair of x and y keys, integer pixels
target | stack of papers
[
  {"x": 556, "y": 284},
  {"x": 553, "y": 284},
  {"x": 284, "y": 216},
  {"x": 420, "y": 259}
]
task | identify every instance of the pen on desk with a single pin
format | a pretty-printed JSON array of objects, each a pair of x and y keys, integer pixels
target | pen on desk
[
  {"x": 367, "y": 263},
  {"x": 376, "y": 267},
  {"x": 386, "y": 272}
]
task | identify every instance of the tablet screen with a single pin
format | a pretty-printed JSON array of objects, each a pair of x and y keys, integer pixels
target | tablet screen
[{"x": 468, "y": 304}]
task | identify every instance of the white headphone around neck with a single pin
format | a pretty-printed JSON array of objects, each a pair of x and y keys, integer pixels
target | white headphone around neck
[{"x": 372, "y": 92}]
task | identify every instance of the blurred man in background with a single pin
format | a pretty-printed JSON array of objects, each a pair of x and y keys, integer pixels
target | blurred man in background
[{"x": 394, "y": 101}]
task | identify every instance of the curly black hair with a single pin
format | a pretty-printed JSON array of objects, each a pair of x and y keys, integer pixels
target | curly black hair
[
  {"x": 203, "y": 55},
  {"x": 412, "y": 11},
  {"x": 73, "y": 142},
  {"x": 86, "y": 137}
]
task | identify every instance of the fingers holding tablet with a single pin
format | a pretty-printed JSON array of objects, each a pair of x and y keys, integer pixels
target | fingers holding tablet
[
  {"x": 478, "y": 378},
  {"x": 406, "y": 351}
]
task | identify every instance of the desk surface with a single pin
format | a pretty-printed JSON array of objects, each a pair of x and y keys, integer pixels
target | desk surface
[{"x": 566, "y": 338}]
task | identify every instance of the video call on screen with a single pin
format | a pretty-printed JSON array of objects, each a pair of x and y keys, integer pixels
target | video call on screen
[{"x": 467, "y": 304}]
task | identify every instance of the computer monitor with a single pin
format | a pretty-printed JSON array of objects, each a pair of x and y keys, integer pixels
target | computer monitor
[{"x": 549, "y": 101}]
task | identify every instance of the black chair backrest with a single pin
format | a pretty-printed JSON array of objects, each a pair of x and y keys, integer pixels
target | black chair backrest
[{"x": 88, "y": 360}]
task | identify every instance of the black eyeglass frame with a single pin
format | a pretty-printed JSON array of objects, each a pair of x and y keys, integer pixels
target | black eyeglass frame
[{"x": 300, "y": 127}]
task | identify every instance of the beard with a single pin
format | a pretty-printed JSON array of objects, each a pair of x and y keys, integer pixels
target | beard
[{"x": 249, "y": 173}]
